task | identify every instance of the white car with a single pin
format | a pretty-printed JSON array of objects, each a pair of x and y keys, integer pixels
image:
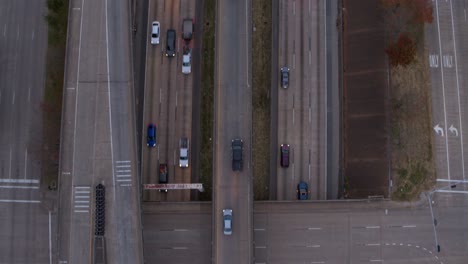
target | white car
[
  {"x": 184, "y": 152},
  {"x": 186, "y": 62},
  {"x": 227, "y": 221},
  {"x": 155, "y": 33}
]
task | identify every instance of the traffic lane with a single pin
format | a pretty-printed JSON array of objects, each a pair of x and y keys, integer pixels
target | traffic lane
[
  {"x": 338, "y": 236},
  {"x": 285, "y": 101},
  {"x": 437, "y": 90},
  {"x": 233, "y": 120},
  {"x": 450, "y": 91},
  {"x": 25, "y": 229},
  {"x": 183, "y": 105},
  {"x": 461, "y": 33},
  {"x": 91, "y": 72},
  {"x": 175, "y": 82},
  {"x": 168, "y": 84},
  {"x": 68, "y": 131},
  {"x": 153, "y": 81},
  {"x": 123, "y": 143},
  {"x": 175, "y": 237}
]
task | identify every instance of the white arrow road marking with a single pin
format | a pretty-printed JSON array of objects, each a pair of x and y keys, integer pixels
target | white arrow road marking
[
  {"x": 439, "y": 130},
  {"x": 453, "y": 130}
]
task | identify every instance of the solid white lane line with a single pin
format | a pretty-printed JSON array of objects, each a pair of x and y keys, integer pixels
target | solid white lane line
[
  {"x": 448, "y": 191},
  {"x": 108, "y": 95},
  {"x": 18, "y": 187},
  {"x": 19, "y": 180},
  {"x": 19, "y": 201},
  {"x": 25, "y": 162},
  {"x": 9, "y": 169},
  {"x": 50, "y": 238},
  {"x": 458, "y": 93},
  {"x": 443, "y": 91},
  {"x": 70, "y": 238},
  {"x": 457, "y": 181}
]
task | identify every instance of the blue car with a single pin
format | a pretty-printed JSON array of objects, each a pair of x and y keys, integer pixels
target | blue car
[
  {"x": 302, "y": 191},
  {"x": 151, "y": 137}
]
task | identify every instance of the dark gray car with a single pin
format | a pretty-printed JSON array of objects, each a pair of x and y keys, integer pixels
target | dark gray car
[
  {"x": 285, "y": 77},
  {"x": 237, "y": 146},
  {"x": 170, "y": 43}
]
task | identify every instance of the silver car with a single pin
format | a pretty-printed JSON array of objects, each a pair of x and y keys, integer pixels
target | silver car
[
  {"x": 227, "y": 221},
  {"x": 155, "y": 33}
]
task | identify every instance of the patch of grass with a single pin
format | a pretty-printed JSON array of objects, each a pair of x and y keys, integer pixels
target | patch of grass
[
  {"x": 261, "y": 78},
  {"x": 412, "y": 161},
  {"x": 207, "y": 93},
  {"x": 56, "y": 19}
]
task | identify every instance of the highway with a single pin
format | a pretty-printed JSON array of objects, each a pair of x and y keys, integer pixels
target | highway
[
  {"x": 98, "y": 142},
  {"x": 302, "y": 106},
  {"x": 317, "y": 232},
  {"x": 167, "y": 100},
  {"x": 27, "y": 208},
  {"x": 233, "y": 119}
]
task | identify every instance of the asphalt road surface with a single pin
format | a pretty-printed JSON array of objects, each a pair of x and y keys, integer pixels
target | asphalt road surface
[
  {"x": 27, "y": 215},
  {"x": 98, "y": 142},
  {"x": 167, "y": 100},
  {"x": 177, "y": 232},
  {"x": 302, "y": 106},
  {"x": 447, "y": 38},
  {"x": 233, "y": 119},
  {"x": 324, "y": 232}
]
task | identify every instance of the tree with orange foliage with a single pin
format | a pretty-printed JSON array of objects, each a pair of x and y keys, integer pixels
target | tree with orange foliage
[
  {"x": 402, "y": 52},
  {"x": 405, "y": 20}
]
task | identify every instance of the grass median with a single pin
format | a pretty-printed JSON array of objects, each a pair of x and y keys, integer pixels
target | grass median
[
  {"x": 261, "y": 78},
  {"x": 412, "y": 154},
  {"x": 51, "y": 106},
  {"x": 207, "y": 93}
]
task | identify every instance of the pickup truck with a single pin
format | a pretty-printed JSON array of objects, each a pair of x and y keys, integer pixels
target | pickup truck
[
  {"x": 163, "y": 174},
  {"x": 187, "y": 29},
  {"x": 184, "y": 152},
  {"x": 187, "y": 61}
]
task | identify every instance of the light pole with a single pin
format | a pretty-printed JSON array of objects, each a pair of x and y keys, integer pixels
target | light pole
[{"x": 434, "y": 220}]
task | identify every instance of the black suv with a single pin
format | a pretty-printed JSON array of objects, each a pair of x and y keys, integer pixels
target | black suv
[
  {"x": 237, "y": 146},
  {"x": 170, "y": 43}
]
